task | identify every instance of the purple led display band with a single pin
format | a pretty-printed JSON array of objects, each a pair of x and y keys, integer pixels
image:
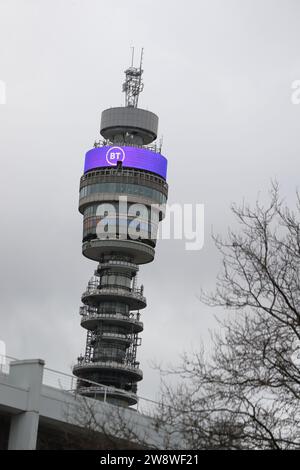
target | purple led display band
[{"x": 133, "y": 157}]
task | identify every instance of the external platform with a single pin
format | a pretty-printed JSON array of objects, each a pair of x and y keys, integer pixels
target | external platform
[
  {"x": 138, "y": 251},
  {"x": 132, "y": 373},
  {"x": 91, "y": 321},
  {"x": 115, "y": 394},
  {"x": 134, "y": 299}
]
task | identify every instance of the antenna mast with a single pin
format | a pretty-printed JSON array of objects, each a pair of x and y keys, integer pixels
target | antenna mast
[{"x": 133, "y": 84}]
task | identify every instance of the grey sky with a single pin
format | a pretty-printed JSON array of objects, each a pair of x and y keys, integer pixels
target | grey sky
[{"x": 218, "y": 74}]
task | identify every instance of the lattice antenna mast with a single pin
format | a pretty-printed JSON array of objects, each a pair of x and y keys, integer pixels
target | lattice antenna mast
[{"x": 133, "y": 84}]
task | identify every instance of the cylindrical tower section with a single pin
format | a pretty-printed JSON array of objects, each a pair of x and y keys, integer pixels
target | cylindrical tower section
[{"x": 129, "y": 125}]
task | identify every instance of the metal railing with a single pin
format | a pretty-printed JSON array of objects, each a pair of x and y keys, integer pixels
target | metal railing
[
  {"x": 134, "y": 293},
  {"x": 86, "y": 310},
  {"x": 111, "y": 335},
  {"x": 71, "y": 384},
  {"x": 156, "y": 148},
  {"x": 116, "y": 335},
  {"x": 110, "y": 316},
  {"x": 94, "y": 391},
  {"x": 109, "y": 365}
]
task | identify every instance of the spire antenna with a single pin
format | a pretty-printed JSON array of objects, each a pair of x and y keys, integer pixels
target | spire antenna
[{"x": 133, "y": 84}]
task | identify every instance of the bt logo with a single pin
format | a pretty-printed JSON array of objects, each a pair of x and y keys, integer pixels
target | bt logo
[{"x": 115, "y": 155}]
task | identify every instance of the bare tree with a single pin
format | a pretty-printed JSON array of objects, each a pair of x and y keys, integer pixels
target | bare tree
[
  {"x": 102, "y": 425},
  {"x": 246, "y": 395}
]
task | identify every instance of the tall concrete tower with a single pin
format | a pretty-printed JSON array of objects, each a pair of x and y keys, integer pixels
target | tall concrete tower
[{"x": 123, "y": 192}]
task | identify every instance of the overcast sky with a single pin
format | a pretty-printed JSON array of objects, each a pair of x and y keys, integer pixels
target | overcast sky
[{"x": 219, "y": 76}]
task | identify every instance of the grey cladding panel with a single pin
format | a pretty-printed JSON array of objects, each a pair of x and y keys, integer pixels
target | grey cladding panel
[{"x": 129, "y": 117}]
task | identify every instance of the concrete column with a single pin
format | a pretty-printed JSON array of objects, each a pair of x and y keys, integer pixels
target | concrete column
[{"x": 24, "y": 426}]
